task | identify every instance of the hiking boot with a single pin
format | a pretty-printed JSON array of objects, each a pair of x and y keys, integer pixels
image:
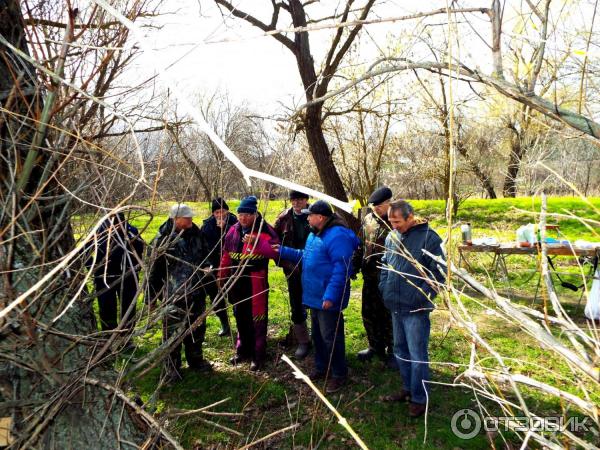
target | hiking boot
[
  {"x": 200, "y": 365},
  {"x": 366, "y": 354},
  {"x": 303, "y": 339},
  {"x": 416, "y": 409},
  {"x": 225, "y": 329},
  {"x": 334, "y": 385},
  {"x": 172, "y": 376}
]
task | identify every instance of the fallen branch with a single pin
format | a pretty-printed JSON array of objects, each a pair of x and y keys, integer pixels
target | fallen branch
[{"x": 146, "y": 416}]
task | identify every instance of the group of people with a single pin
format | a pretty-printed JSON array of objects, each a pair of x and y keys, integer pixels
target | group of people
[{"x": 228, "y": 258}]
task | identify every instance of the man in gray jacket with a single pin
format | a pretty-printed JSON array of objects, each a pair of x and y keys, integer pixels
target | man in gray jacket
[{"x": 409, "y": 281}]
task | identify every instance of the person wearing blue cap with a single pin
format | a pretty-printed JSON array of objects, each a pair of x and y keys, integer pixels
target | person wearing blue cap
[{"x": 246, "y": 269}]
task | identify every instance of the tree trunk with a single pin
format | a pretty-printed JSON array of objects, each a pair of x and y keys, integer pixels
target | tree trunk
[
  {"x": 484, "y": 178},
  {"x": 45, "y": 364},
  {"x": 514, "y": 164},
  {"x": 313, "y": 118}
]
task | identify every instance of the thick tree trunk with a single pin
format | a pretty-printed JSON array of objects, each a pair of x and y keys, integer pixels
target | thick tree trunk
[
  {"x": 313, "y": 118},
  {"x": 45, "y": 361},
  {"x": 320, "y": 152}
]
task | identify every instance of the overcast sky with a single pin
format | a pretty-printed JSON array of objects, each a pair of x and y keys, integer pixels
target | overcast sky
[
  {"x": 234, "y": 57},
  {"x": 209, "y": 54}
]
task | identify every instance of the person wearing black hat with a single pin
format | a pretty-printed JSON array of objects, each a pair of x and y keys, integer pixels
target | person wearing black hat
[
  {"x": 245, "y": 268},
  {"x": 214, "y": 229},
  {"x": 293, "y": 230},
  {"x": 376, "y": 317},
  {"x": 326, "y": 271}
]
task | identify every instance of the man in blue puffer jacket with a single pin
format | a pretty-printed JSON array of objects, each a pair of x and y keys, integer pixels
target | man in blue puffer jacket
[
  {"x": 408, "y": 283},
  {"x": 326, "y": 270}
]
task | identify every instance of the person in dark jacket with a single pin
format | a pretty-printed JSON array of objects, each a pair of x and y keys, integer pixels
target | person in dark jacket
[
  {"x": 409, "y": 282},
  {"x": 245, "y": 271},
  {"x": 376, "y": 317},
  {"x": 118, "y": 251},
  {"x": 176, "y": 278},
  {"x": 214, "y": 229},
  {"x": 293, "y": 230},
  {"x": 326, "y": 271}
]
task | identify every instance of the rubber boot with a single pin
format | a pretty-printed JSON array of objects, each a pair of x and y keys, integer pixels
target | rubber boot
[
  {"x": 225, "y": 330},
  {"x": 301, "y": 333}
]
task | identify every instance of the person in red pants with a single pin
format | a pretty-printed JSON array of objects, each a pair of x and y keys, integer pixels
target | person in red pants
[{"x": 247, "y": 271}]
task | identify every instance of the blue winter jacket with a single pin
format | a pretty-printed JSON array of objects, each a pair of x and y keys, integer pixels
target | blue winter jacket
[
  {"x": 403, "y": 287},
  {"x": 326, "y": 265}
]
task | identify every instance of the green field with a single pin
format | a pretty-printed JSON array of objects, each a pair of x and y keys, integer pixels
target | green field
[{"x": 273, "y": 399}]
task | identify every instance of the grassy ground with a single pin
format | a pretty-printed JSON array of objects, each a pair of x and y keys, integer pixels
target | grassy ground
[{"x": 273, "y": 399}]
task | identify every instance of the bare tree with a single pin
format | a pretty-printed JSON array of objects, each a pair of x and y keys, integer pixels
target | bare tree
[
  {"x": 362, "y": 129},
  {"x": 315, "y": 82},
  {"x": 57, "y": 383}
]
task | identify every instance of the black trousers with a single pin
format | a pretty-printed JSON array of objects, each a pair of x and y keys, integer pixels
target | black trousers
[
  {"x": 294, "y": 282},
  {"x": 122, "y": 288},
  {"x": 211, "y": 289},
  {"x": 185, "y": 313},
  {"x": 376, "y": 317}
]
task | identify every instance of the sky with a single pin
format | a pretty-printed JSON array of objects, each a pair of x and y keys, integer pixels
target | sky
[{"x": 234, "y": 57}]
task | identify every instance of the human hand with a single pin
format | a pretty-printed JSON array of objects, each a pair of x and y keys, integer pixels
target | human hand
[
  {"x": 220, "y": 223},
  {"x": 276, "y": 247},
  {"x": 249, "y": 239},
  {"x": 327, "y": 304}
]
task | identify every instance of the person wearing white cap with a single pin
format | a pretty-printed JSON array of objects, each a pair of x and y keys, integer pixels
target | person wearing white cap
[{"x": 176, "y": 279}]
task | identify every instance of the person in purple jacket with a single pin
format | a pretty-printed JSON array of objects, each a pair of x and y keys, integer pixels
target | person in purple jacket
[{"x": 326, "y": 271}]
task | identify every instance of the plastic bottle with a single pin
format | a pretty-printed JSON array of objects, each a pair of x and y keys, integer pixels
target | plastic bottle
[{"x": 466, "y": 234}]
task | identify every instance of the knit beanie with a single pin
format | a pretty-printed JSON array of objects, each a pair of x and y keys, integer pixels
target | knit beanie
[
  {"x": 297, "y": 194},
  {"x": 248, "y": 205},
  {"x": 219, "y": 203}
]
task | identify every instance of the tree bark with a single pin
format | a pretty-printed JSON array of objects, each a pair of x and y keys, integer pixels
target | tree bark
[
  {"x": 517, "y": 151},
  {"x": 44, "y": 363},
  {"x": 313, "y": 117},
  {"x": 514, "y": 164},
  {"x": 484, "y": 178}
]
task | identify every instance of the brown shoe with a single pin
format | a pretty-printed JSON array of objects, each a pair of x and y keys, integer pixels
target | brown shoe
[
  {"x": 402, "y": 396},
  {"x": 416, "y": 409},
  {"x": 334, "y": 385}
]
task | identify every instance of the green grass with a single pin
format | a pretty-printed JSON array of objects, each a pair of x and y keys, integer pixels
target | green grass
[{"x": 273, "y": 399}]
